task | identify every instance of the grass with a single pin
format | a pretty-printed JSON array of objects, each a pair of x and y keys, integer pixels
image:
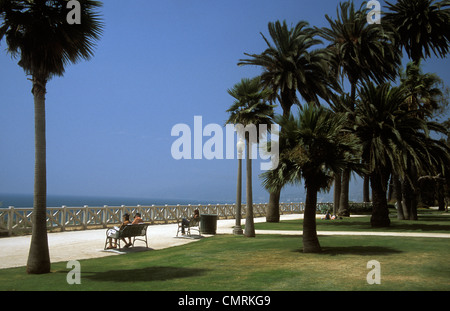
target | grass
[
  {"x": 429, "y": 222},
  {"x": 264, "y": 263}
]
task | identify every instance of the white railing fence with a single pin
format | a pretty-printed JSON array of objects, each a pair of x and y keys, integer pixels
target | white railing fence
[{"x": 63, "y": 218}]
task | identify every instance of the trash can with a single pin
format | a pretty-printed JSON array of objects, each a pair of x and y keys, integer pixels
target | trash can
[{"x": 208, "y": 223}]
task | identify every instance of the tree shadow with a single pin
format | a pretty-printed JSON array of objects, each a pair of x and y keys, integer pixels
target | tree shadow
[
  {"x": 148, "y": 274},
  {"x": 359, "y": 250},
  {"x": 355, "y": 250},
  {"x": 403, "y": 225}
]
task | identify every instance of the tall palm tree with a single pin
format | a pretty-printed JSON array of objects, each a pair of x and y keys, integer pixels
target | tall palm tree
[
  {"x": 38, "y": 34},
  {"x": 250, "y": 108},
  {"x": 290, "y": 64},
  {"x": 392, "y": 141},
  {"x": 314, "y": 148},
  {"x": 423, "y": 27},
  {"x": 363, "y": 52}
]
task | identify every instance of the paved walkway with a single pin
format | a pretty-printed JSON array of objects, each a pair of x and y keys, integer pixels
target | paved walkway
[{"x": 77, "y": 245}]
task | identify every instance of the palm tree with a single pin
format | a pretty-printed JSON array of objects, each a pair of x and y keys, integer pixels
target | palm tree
[
  {"x": 392, "y": 141},
  {"x": 289, "y": 65},
  {"x": 250, "y": 108},
  {"x": 314, "y": 148},
  {"x": 425, "y": 97},
  {"x": 422, "y": 25},
  {"x": 363, "y": 52},
  {"x": 341, "y": 104},
  {"x": 38, "y": 34},
  {"x": 425, "y": 90}
]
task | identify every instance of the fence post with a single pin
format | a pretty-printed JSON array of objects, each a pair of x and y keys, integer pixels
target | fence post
[
  {"x": 165, "y": 214},
  {"x": 85, "y": 217},
  {"x": 10, "y": 220},
  {"x": 105, "y": 208},
  {"x": 122, "y": 212},
  {"x": 63, "y": 218}
]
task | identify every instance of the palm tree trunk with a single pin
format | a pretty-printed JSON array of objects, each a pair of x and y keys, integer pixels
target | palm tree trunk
[
  {"x": 343, "y": 203},
  {"x": 337, "y": 192},
  {"x": 398, "y": 196},
  {"x": 380, "y": 212},
  {"x": 273, "y": 208},
  {"x": 406, "y": 198},
  {"x": 440, "y": 197},
  {"x": 415, "y": 194},
  {"x": 366, "y": 194},
  {"x": 390, "y": 189},
  {"x": 249, "y": 222},
  {"x": 39, "y": 257},
  {"x": 310, "y": 241}
]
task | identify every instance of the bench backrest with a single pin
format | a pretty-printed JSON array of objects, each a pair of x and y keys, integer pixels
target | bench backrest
[
  {"x": 133, "y": 230},
  {"x": 194, "y": 222}
]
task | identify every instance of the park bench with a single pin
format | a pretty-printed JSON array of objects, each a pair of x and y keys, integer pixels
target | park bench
[
  {"x": 193, "y": 224},
  {"x": 136, "y": 232}
]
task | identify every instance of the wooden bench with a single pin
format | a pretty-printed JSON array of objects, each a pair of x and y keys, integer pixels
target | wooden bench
[
  {"x": 193, "y": 224},
  {"x": 130, "y": 231}
]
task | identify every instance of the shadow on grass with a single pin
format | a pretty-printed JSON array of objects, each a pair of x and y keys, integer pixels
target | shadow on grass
[
  {"x": 148, "y": 274},
  {"x": 359, "y": 250},
  {"x": 402, "y": 225},
  {"x": 355, "y": 250}
]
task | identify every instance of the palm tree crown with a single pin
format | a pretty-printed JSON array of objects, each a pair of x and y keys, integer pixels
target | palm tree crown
[
  {"x": 423, "y": 26},
  {"x": 425, "y": 90},
  {"x": 363, "y": 51},
  {"x": 37, "y": 32},
  {"x": 250, "y": 105},
  {"x": 289, "y": 64}
]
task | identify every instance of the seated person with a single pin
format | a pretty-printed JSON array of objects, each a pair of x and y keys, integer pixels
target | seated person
[
  {"x": 327, "y": 215},
  {"x": 114, "y": 233},
  {"x": 137, "y": 219},
  {"x": 193, "y": 220}
]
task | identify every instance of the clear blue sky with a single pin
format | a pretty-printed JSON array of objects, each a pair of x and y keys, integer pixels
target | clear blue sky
[{"x": 158, "y": 63}]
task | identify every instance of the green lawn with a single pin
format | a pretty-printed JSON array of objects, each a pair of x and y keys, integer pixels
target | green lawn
[
  {"x": 436, "y": 222},
  {"x": 267, "y": 262}
]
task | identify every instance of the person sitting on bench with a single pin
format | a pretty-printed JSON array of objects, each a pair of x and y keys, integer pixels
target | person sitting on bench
[
  {"x": 137, "y": 219},
  {"x": 193, "y": 220},
  {"x": 112, "y": 233}
]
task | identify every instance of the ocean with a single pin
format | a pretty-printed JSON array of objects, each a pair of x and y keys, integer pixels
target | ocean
[{"x": 26, "y": 200}]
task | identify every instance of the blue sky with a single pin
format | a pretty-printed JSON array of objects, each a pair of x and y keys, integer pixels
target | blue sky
[{"x": 158, "y": 63}]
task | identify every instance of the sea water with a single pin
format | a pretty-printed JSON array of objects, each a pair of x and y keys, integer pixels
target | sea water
[{"x": 26, "y": 200}]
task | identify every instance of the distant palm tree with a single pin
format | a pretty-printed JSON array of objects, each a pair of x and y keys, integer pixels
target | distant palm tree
[
  {"x": 250, "y": 108},
  {"x": 314, "y": 148},
  {"x": 38, "y": 34},
  {"x": 363, "y": 52},
  {"x": 290, "y": 64},
  {"x": 425, "y": 90},
  {"x": 423, "y": 27}
]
